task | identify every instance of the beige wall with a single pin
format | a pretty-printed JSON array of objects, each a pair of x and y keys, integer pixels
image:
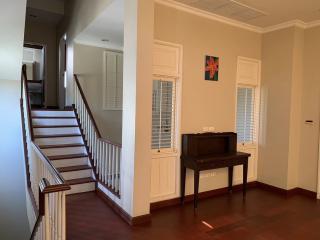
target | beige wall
[
  {"x": 91, "y": 78},
  {"x": 288, "y": 151},
  {"x": 276, "y": 84},
  {"x": 46, "y": 34},
  {"x": 310, "y": 111},
  {"x": 206, "y": 103},
  {"x": 295, "y": 114}
]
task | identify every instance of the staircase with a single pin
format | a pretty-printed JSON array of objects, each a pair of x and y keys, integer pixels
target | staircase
[{"x": 58, "y": 134}]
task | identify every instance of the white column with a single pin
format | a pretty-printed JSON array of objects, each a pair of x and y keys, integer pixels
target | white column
[{"x": 137, "y": 104}]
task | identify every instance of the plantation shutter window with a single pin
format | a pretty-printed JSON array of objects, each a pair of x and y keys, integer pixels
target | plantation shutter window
[
  {"x": 163, "y": 114},
  {"x": 113, "y": 80},
  {"x": 245, "y": 114}
]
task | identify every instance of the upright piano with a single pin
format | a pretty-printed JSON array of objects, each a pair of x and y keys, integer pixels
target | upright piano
[{"x": 211, "y": 151}]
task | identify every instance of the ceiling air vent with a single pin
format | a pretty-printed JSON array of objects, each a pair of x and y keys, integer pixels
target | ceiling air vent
[{"x": 227, "y": 8}]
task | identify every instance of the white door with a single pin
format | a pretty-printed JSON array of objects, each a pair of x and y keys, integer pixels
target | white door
[{"x": 247, "y": 115}]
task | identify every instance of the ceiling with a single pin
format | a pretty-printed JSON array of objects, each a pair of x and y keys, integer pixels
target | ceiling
[
  {"x": 41, "y": 16},
  {"x": 108, "y": 26},
  {"x": 261, "y": 13},
  {"x": 45, "y": 11}
]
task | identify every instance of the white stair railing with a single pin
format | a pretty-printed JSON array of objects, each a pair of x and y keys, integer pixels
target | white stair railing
[
  {"x": 105, "y": 154},
  {"x": 46, "y": 186}
]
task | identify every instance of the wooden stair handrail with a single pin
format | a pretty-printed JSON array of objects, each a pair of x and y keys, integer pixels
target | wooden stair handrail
[
  {"x": 62, "y": 185},
  {"x": 44, "y": 188},
  {"x": 91, "y": 115},
  {"x": 24, "y": 81}
]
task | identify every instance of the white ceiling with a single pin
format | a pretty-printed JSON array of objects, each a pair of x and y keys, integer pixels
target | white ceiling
[
  {"x": 108, "y": 25},
  {"x": 261, "y": 13}
]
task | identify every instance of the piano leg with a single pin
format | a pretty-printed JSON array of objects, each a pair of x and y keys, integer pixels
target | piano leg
[
  {"x": 196, "y": 188},
  {"x": 230, "y": 176},
  {"x": 183, "y": 182},
  {"x": 245, "y": 176}
]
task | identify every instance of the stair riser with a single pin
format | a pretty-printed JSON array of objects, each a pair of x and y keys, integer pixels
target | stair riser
[
  {"x": 52, "y": 113},
  {"x": 54, "y": 121},
  {"x": 64, "y": 151},
  {"x": 70, "y": 162},
  {"x": 80, "y": 188},
  {"x": 60, "y": 140},
  {"x": 77, "y": 174},
  {"x": 55, "y": 131}
]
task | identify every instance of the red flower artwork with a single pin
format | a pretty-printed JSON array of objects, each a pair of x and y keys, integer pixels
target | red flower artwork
[{"x": 212, "y": 68}]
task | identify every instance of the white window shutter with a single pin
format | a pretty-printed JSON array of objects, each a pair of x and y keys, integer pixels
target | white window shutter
[
  {"x": 163, "y": 114},
  {"x": 113, "y": 81},
  {"x": 245, "y": 114}
]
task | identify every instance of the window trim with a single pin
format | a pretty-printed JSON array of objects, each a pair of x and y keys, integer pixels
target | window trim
[
  {"x": 105, "y": 106},
  {"x": 254, "y": 134},
  {"x": 257, "y": 100},
  {"x": 174, "y": 148}
]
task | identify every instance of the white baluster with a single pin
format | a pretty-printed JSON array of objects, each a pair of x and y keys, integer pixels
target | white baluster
[
  {"x": 117, "y": 169},
  {"x": 47, "y": 217},
  {"x": 113, "y": 165}
]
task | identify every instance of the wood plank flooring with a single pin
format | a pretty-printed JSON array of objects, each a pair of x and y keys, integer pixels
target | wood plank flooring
[{"x": 263, "y": 216}]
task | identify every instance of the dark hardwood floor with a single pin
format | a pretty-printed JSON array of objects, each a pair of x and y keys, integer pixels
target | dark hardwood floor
[{"x": 263, "y": 216}]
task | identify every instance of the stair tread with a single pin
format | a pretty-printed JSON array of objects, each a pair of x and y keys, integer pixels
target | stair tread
[
  {"x": 54, "y": 126},
  {"x": 57, "y": 135},
  {"x": 80, "y": 181},
  {"x": 62, "y": 145},
  {"x": 51, "y": 110},
  {"x": 74, "y": 168},
  {"x": 53, "y": 117},
  {"x": 68, "y": 156}
]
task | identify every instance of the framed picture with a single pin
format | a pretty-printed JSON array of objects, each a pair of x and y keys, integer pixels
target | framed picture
[{"x": 212, "y": 68}]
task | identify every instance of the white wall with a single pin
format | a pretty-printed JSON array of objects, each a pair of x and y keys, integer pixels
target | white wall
[
  {"x": 90, "y": 74},
  {"x": 137, "y": 106},
  {"x": 12, "y": 172},
  {"x": 12, "y": 17},
  {"x": 12, "y": 180},
  {"x": 79, "y": 14}
]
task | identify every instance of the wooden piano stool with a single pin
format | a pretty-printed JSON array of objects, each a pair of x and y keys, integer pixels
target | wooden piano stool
[{"x": 211, "y": 151}]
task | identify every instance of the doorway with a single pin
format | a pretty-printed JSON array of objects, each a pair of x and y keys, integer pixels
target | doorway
[
  {"x": 34, "y": 57},
  {"x": 62, "y": 71}
]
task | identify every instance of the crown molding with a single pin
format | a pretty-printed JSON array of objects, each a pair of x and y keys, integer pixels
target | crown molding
[
  {"x": 293, "y": 23},
  {"x": 313, "y": 24},
  {"x": 212, "y": 16},
  {"x": 235, "y": 23}
]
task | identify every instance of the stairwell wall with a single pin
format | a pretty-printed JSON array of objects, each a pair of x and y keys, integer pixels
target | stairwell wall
[
  {"x": 12, "y": 172},
  {"x": 91, "y": 79},
  {"x": 78, "y": 15}
]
